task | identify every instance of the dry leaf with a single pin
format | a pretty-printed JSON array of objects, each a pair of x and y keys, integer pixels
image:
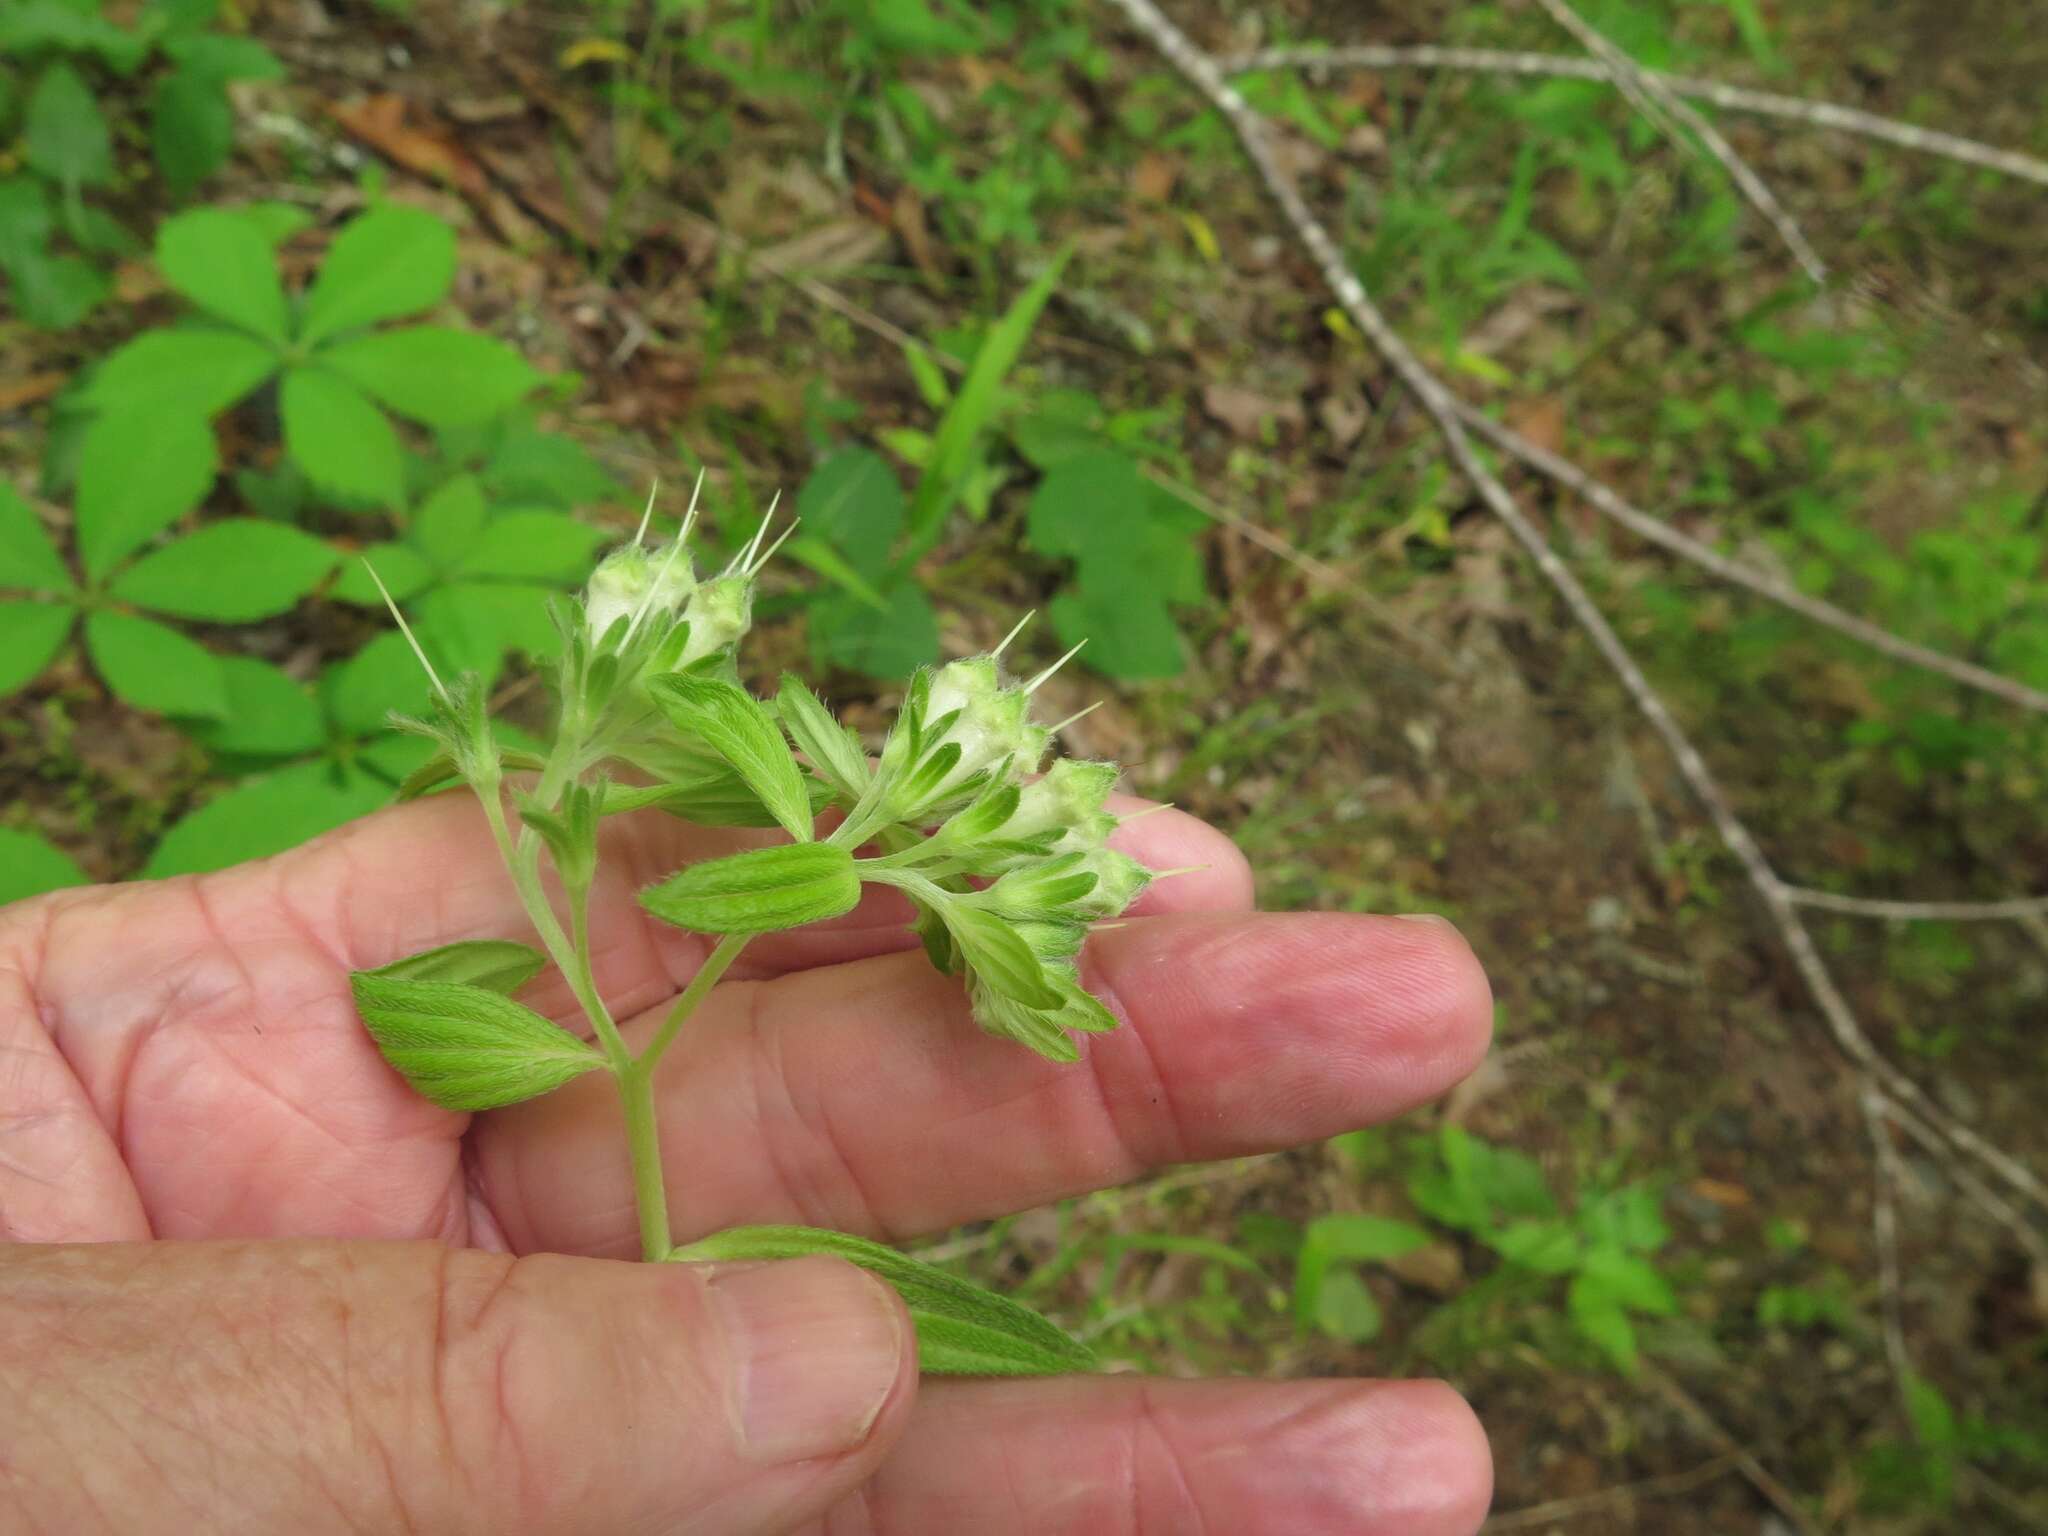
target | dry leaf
[{"x": 1245, "y": 411}]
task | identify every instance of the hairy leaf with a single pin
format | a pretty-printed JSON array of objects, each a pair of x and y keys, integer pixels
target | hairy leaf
[
  {"x": 467, "y": 1047},
  {"x": 502, "y": 965},
  {"x": 835, "y": 752},
  {"x": 760, "y": 891},
  {"x": 739, "y": 728},
  {"x": 962, "y": 1329}
]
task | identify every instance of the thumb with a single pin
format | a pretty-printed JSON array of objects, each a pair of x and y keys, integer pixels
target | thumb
[{"x": 318, "y": 1387}]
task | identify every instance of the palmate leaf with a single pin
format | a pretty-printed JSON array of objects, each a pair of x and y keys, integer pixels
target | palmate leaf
[
  {"x": 56, "y": 292},
  {"x": 155, "y": 668},
  {"x": 190, "y": 371},
  {"x": 467, "y": 1047},
  {"x": 262, "y": 816},
  {"x": 29, "y": 866},
  {"x": 385, "y": 264},
  {"x": 340, "y": 439},
  {"x": 191, "y": 128},
  {"x": 962, "y": 1330},
  {"x": 63, "y": 134},
  {"x": 28, "y": 560},
  {"x": 268, "y": 715},
  {"x": 222, "y": 263},
  {"x": 903, "y": 636},
  {"x": 231, "y": 572},
  {"x": 30, "y": 634},
  {"x": 531, "y": 546},
  {"x": 433, "y": 375},
  {"x": 139, "y": 472}
]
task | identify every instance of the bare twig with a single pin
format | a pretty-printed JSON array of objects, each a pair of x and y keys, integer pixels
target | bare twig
[
  {"x": 1658, "y": 102},
  {"x": 1622, "y": 1493},
  {"x": 1611, "y": 504},
  {"x": 1909, "y": 1102},
  {"x": 1731, "y": 98},
  {"x": 1705, "y": 1425},
  {"x": 1889, "y": 1177},
  {"x": 2010, "y": 910}
]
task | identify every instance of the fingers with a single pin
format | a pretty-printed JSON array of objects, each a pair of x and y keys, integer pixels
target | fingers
[
  {"x": 1091, "y": 1457},
  {"x": 863, "y": 1097},
  {"x": 340, "y": 1388}
]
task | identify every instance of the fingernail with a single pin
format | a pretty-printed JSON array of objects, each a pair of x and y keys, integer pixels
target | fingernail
[
  {"x": 1425, "y": 917},
  {"x": 816, "y": 1345}
]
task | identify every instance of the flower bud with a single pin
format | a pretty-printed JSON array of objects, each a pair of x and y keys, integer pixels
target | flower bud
[
  {"x": 719, "y": 612},
  {"x": 1119, "y": 879},
  {"x": 1069, "y": 798},
  {"x": 633, "y": 581}
]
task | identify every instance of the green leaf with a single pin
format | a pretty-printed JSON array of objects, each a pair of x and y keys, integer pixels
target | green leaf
[
  {"x": 1599, "y": 1317},
  {"x": 138, "y": 473},
  {"x": 532, "y": 546},
  {"x": 262, "y": 816},
  {"x": 739, "y": 728},
  {"x": 450, "y": 521},
  {"x": 434, "y": 375},
  {"x": 30, "y": 634},
  {"x": 465, "y": 1047},
  {"x": 463, "y": 629},
  {"x": 28, "y": 560},
  {"x": 1547, "y": 1247},
  {"x": 192, "y": 371},
  {"x": 1631, "y": 1281},
  {"x": 962, "y": 1330},
  {"x": 232, "y": 572},
  {"x": 1333, "y": 1240},
  {"x": 191, "y": 128},
  {"x": 835, "y": 752},
  {"x": 534, "y": 466},
  {"x": 29, "y": 867},
  {"x": 855, "y": 503},
  {"x": 62, "y": 133},
  {"x": 1345, "y": 1308},
  {"x": 275, "y": 222},
  {"x": 498, "y": 964},
  {"x": 155, "y": 668},
  {"x": 974, "y": 409},
  {"x": 382, "y": 678},
  {"x": 268, "y": 715},
  {"x": 389, "y": 262},
  {"x": 222, "y": 56},
  {"x": 403, "y": 570},
  {"x": 847, "y": 632},
  {"x": 56, "y": 292},
  {"x": 25, "y": 220},
  {"x": 34, "y": 26},
  {"x": 1000, "y": 956},
  {"x": 340, "y": 440},
  {"x": 221, "y": 262},
  {"x": 761, "y": 891}
]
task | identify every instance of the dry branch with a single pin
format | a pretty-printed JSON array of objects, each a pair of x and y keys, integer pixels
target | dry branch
[
  {"x": 1658, "y": 102},
  {"x": 1731, "y": 98},
  {"x": 2011, "y": 910},
  {"x": 1903, "y": 1100}
]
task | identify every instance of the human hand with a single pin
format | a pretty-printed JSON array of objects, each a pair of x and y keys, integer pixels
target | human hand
[{"x": 181, "y": 1065}]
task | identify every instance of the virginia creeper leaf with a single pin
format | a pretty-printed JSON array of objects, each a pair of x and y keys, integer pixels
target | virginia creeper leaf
[
  {"x": 30, "y": 634},
  {"x": 389, "y": 262},
  {"x": 222, "y": 263},
  {"x": 232, "y": 572},
  {"x": 29, "y": 866},
  {"x": 155, "y": 668},
  {"x": 433, "y": 375},
  {"x": 340, "y": 440}
]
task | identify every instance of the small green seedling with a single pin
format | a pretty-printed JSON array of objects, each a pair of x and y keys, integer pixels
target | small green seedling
[{"x": 1006, "y": 867}]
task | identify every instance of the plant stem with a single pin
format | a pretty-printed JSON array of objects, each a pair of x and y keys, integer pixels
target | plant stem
[
  {"x": 643, "y": 1138},
  {"x": 715, "y": 965}
]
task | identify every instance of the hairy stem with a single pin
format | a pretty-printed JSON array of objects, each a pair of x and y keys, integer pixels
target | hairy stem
[
  {"x": 643, "y": 1139},
  {"x": 715, "y": 965}
]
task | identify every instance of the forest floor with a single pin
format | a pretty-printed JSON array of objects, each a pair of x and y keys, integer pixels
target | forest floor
[{"x": 1403, "y": 719}]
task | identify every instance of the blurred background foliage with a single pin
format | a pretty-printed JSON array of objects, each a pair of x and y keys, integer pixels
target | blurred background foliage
[{"x": 985, "y": 295}]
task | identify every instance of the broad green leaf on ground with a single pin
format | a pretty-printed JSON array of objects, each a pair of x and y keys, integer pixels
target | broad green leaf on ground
[
  {"x": 28, "y": 560},
  {"x": 191, "y": 129},
  {"x": 275, "y": 222},
  {"x": 63, "y": 134},
  {"x": 266, "y": 815},
  {"x": 232, "y": 572},
  {"x": 961, "y": 1328},
  {"x": 403, "y": 570},
  {"x": 1331, "y": 1241},
  {"x": 974, "y": 408},
  {"x": 1630, "y": 1280},
  {"x": 434, "y": 375},
  {"x": 222, "y": 263},
  {"x": 25, "y": 220},
  {"x": 465, "y": 1047},
  {"x": 138, "y": 472},
  {"x": 502, "y": 965},
  {"x": 526, "y": 465},
  {"x": 193, "y": 371},
  {"x": 1345, "y": 1307},
  {"x": 384, "y": 676},
  {"x": 155, "y": 668},
  {"x": 1129, "y": 635},
  {"x": 854, "y": 502},
  {"x": 29, "y": 866},
  {"x": 450, "y": 521},
  {"x": 469, "y": 626},
  {"x": 1599, "y": 1317},
  {"x": 847, "y": 632},
  {"x": 31, "y": 26},
  {"x": 531, "y": 546},
  {"x": 223, "y": 56},
  {"x": 386, "y": 263},
  {"x": 30, "y": 634},
  {"x": 268, "y": 714},
  {"x": 340, "y": 439},
  {"x": 56, "y": 292}
]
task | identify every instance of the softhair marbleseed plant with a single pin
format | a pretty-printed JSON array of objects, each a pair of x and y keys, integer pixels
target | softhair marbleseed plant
[{"x": 1006, "y": 866}]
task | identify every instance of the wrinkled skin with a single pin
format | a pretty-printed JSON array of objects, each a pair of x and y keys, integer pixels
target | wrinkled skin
[{"x": 252, "y": 1282}]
